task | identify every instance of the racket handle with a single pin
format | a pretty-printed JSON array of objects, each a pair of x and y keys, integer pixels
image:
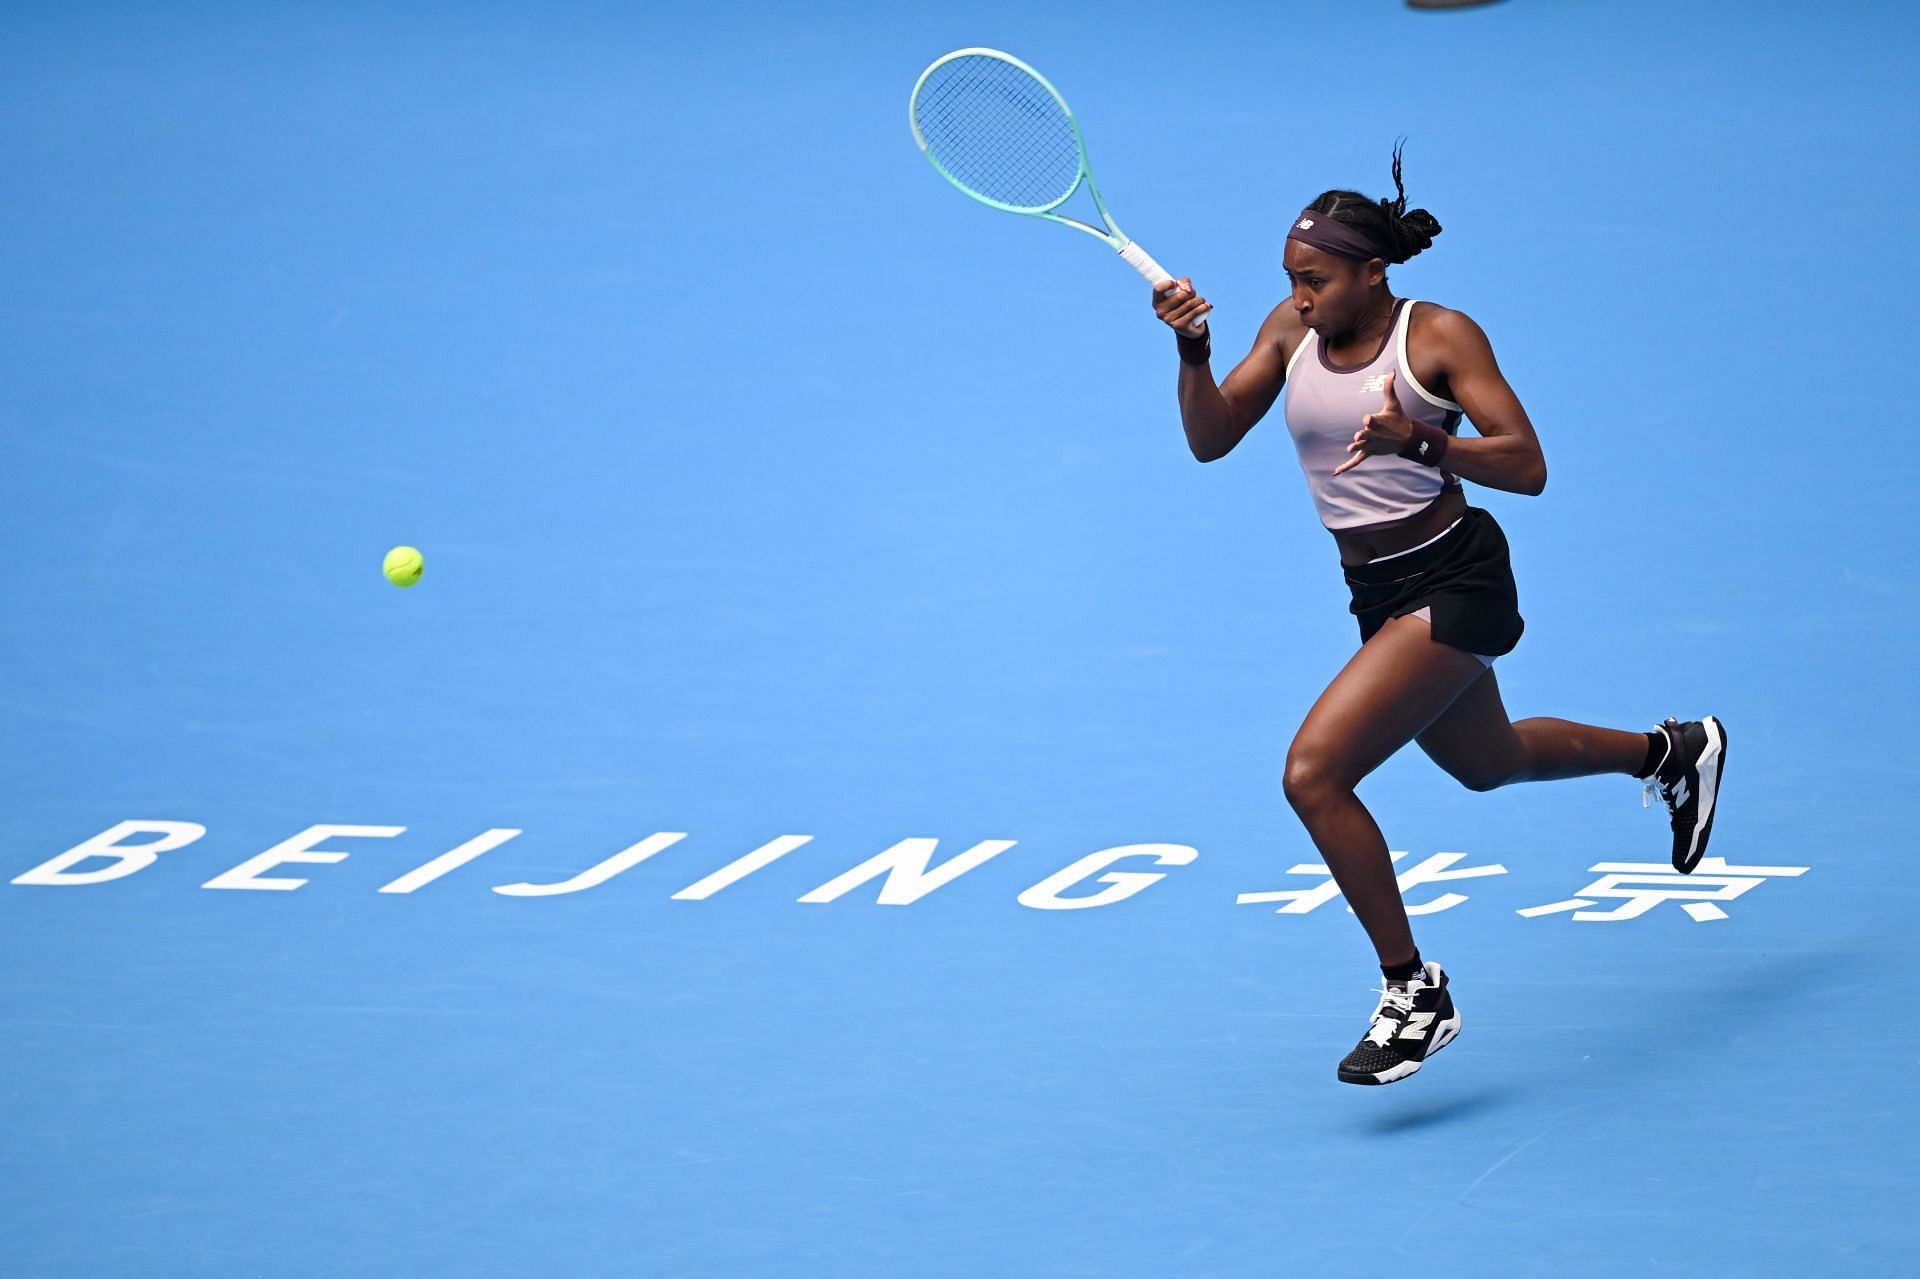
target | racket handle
[{"x": 1142, "y": 261}]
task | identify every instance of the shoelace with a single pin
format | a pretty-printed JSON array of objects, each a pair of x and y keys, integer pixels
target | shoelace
[
  {"x": 1669, "y": 792},
  {"x": 1666, "y": 790},
  {"x": 1384, "y": 1028},
  {"x": 1653, "y": 783}
]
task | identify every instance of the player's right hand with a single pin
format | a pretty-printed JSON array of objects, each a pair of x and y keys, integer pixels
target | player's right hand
[{"x": 1178, "y": 305}]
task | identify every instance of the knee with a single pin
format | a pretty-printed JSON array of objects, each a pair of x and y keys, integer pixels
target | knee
[
  {"x": 1481, "y": 779},
  {"x": 1310, "y": 779},
  {"x": 1484, "y": 772}
]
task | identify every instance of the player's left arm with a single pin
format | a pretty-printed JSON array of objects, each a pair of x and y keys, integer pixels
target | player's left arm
[{"x": 1507, "y": 453}]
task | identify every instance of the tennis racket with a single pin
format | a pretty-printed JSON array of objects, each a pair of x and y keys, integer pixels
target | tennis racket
[{"x": 996, "y": 129}]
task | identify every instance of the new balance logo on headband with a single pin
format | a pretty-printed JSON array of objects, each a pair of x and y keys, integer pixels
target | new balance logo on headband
[{"x": 1305, "y": 224}]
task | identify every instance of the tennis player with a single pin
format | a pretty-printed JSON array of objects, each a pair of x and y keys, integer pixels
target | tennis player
[{"x": 1376, "y": 388}]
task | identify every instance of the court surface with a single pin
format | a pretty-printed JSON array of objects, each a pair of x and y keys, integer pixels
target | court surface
[{"x": 769, "y": 489}]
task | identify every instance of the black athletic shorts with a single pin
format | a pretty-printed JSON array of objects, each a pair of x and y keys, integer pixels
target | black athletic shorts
[{"x": 1465, "y": 579}]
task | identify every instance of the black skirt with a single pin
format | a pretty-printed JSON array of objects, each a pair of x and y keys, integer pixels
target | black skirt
[{"x": 1465, "y": 578}]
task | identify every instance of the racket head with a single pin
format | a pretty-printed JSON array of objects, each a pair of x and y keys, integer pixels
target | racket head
[{"x": 996, "y": 129}]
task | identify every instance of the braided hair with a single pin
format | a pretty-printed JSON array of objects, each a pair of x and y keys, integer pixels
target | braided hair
[{"x": 1398, "y": 231}]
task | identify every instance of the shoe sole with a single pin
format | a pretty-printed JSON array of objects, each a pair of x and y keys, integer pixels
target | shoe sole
[
  {"x": 1712, "y": 763},
  {"x": 1448, "y": 1032}
]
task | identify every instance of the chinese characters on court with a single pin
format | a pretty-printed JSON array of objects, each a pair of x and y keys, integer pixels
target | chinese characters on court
[{"x": 1636, "y": 887}]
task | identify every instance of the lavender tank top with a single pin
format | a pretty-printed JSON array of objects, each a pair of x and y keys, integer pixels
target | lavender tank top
[{"x": 1325, "y": 403}]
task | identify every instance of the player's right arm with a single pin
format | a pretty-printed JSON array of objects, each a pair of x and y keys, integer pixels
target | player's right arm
[{"x": 1217, "y": 417}]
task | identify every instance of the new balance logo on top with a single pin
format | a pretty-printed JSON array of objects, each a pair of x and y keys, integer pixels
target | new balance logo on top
[
  {"x": 1305, "y": 224},
  {"x": 1374, "y": 384}
]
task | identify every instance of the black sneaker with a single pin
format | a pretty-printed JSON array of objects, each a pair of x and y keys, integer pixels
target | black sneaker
[
  {"x": 1689, "y": 780},
  {"x": 1408, "y": 1027}
]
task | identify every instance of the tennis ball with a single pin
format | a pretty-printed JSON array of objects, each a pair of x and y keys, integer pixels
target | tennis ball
[{"x": 403, "y": 566}]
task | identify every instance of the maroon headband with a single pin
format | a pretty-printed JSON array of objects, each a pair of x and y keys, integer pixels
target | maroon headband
[{"x": 1320, "y": 231}]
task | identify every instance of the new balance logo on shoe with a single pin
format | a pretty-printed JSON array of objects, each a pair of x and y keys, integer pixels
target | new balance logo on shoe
[
  {"x": 1698, "y": 752},
  {"x": 1410, "y": 1024}
]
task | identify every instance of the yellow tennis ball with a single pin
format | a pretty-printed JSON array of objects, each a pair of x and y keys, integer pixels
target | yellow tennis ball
[{"x": 403, "y": 566}]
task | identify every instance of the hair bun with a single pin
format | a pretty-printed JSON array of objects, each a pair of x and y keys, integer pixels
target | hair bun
[{"x": 1416, "y": 229}]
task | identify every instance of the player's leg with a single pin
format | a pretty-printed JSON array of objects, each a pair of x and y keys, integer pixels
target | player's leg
[
  {"x": 1481, "y": 748},
  {"x": 1475, "y": 742},
  {"x": 1394, "y": 687}
]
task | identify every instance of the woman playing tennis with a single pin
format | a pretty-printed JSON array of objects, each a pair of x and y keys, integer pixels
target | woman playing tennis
[{"x": 1376, "y": 388}]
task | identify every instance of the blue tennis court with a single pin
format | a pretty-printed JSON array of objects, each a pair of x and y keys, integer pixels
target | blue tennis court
[{"x": 820, "y": 811}]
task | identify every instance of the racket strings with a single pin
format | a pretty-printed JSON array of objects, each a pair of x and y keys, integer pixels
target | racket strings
[{"x": 998, "y": 132}]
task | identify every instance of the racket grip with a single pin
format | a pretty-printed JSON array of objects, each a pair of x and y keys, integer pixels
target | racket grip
[{"x": 1142, "y": 261}]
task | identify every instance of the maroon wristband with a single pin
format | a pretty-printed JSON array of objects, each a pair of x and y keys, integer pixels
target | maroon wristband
[
  {"x": 1194, "y": 350},
  {"x": 1428, "y": 445}
]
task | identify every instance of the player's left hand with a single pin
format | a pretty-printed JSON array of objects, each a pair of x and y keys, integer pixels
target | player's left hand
[{"x": 1385, "y": 430}]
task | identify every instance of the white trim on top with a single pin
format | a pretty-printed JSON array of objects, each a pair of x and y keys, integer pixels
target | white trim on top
[
  {"x": 1406, "y": 323},
  {"x": 1301, "y": 350}
]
